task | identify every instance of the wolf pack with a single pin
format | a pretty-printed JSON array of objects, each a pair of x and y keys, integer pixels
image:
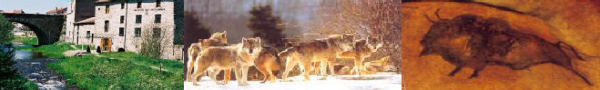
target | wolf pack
[{"x": 213, "y": 55}]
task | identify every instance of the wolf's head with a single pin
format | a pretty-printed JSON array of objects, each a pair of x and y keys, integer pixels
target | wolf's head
[
  {"x": 374, "y": 43},
  {"x": 251, "y": 45},
  {"x": 343, "y": 41},
  {"x": 221, "y": 36}
]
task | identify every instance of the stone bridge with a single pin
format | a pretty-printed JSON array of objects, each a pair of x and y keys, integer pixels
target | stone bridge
[{"x": 47, "y": 28}]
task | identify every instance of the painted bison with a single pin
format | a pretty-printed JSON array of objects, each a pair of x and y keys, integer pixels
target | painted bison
[{"x": 473, "y": 41}]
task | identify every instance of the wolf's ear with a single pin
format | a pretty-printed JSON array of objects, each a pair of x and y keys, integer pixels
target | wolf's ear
[
  {"x": 258, "y": 39},
  {"x": 224, "y": 34}
]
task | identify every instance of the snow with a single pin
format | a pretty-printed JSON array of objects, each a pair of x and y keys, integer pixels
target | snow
[{"x": 380, "y": 81}]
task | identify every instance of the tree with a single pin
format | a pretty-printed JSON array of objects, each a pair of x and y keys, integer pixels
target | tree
[
  {"x": 152, "y": 43},
  {"x": 6, "y": 34},
  {"x": 179, "y": 22},
  {"x": 267, "y": 26},
  {"x": 194, "y": 30},
  {"x": 9, "y": 77},
  {"x": 376, "y": 18}
]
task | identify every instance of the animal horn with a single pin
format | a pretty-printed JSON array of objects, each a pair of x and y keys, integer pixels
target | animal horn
[
  {"x": 428, "y": 19},
  {"x": 437, "y": 13}
]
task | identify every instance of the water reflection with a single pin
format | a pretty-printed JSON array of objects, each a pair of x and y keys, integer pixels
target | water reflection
[{"x": 32, "y": 66}]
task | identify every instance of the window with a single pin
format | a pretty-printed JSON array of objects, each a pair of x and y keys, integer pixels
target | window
[
  {"x": 106, "y": 26},
  {"x": 138, "y": 18},
  {"x": 139, "y": 4},
  {"x": 158, "y": 3},
  {"x": 138, "y": 32},
  {"x": 87, "y": 34},
  {"x": 122, "y": 5},
  {"x": 157, "y": 18},
  {"x": 156, "y": 32},
  {"x": 121, "y": 31},
  {"x": 107, "y": 8},
  {"x": 122, "y": 19}
]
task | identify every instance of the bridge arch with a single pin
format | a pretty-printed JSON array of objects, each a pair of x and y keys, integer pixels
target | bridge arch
[{"x": 47, "y": 28}]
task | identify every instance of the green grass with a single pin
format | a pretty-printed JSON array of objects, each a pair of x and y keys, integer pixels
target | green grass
[
  {"x": 25, "y": 48},
  {"x": 26, "y": 40},
  {"x": 125, "y": 70},
  {"x": 56, "y": 50},
  {"x": 17, "y": 83},
  {"x": 30, "y": 85}
]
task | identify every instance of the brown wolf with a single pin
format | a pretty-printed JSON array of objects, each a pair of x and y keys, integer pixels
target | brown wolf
[
  {"x": 216, "y": 39},
  {"x": 266, "y": 63},
  {"x": 324, "y": 51},
  {"x": 239, "y": 56},
  {"x": 362, "y": 49}
]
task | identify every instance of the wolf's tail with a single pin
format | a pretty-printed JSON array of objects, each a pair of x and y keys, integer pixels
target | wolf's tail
[{"x": 285, "y": 53}]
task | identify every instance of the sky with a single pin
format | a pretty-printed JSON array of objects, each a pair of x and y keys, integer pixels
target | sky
[{"x": 32, "y": 6}]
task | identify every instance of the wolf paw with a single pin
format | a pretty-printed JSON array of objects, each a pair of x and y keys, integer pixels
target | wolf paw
[
  {"x": 243, "y": 84},
  {"x": 288, "y": 80}
]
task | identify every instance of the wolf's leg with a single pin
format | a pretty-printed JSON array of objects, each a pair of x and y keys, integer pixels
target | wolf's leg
[
  {"x": 213, "y": 75},
  {"x": 270, "y": 75},
  {"x": 190, "y": 66},
  {"x": 244, "y": 76},
  {"x": 227, "y": 75},
  {"x": 237, "y": 71},
  {"x": 289, "y": 65},
  {"x": 331, "y": 63},
  {"x": 199, "y": 70},
  {"x": 262, "y": 71},
  {"x": 361, "y": 67},
  {"x": 322, "y": 68},
  {"x": 356, "y": 67},
  {"x": 307, "y": 66}
]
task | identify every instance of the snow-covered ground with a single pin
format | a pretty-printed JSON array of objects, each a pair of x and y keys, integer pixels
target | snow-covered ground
[{"x": 380, "y": 81}]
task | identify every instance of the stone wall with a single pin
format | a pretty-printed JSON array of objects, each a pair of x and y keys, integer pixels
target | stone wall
[{"x": 129, "y": 41}]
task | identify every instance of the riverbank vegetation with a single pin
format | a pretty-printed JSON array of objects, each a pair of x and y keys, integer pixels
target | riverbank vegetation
[
  {"x": 57, "y": 49},
  {"x": 113, "y": 70},
  {"x": 9, "y": 77},
  {"x": 26, "y": 40}
]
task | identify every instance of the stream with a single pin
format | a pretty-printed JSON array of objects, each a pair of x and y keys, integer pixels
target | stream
[{"x": 33, "y": 67}]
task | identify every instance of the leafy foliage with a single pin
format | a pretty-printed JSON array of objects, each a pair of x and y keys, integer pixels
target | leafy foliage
[
  {"x": 179, "y": 23},
  {"x": 9, "y": 77},
  {"x": 26, "y": 40},
  {"x": 194, "y": 29},
  {"x": 266, "y": 25},
  {"x": 152, "y": 44},
  {"x": 6, "y": 34}
]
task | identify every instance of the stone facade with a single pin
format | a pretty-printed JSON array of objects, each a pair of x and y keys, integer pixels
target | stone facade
[
  {"x": 78, "y": 11},
  {"x": 123, "y": 25}
]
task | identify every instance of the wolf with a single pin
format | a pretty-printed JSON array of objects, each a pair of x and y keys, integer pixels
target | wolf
[
  {"x": 362, "y": 49},
  {"x": 216, "y": 39},
  {"x": 238, "y": 57},
  {"x": 324, "y": 51},
  {"x": 267, "y": 63}
]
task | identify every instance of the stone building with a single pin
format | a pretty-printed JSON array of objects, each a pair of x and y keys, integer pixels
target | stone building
[
  {"x": 121, "y": 25},
  {"x": 76, "y": 28},
  {"x": 57, "y": 11}
]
